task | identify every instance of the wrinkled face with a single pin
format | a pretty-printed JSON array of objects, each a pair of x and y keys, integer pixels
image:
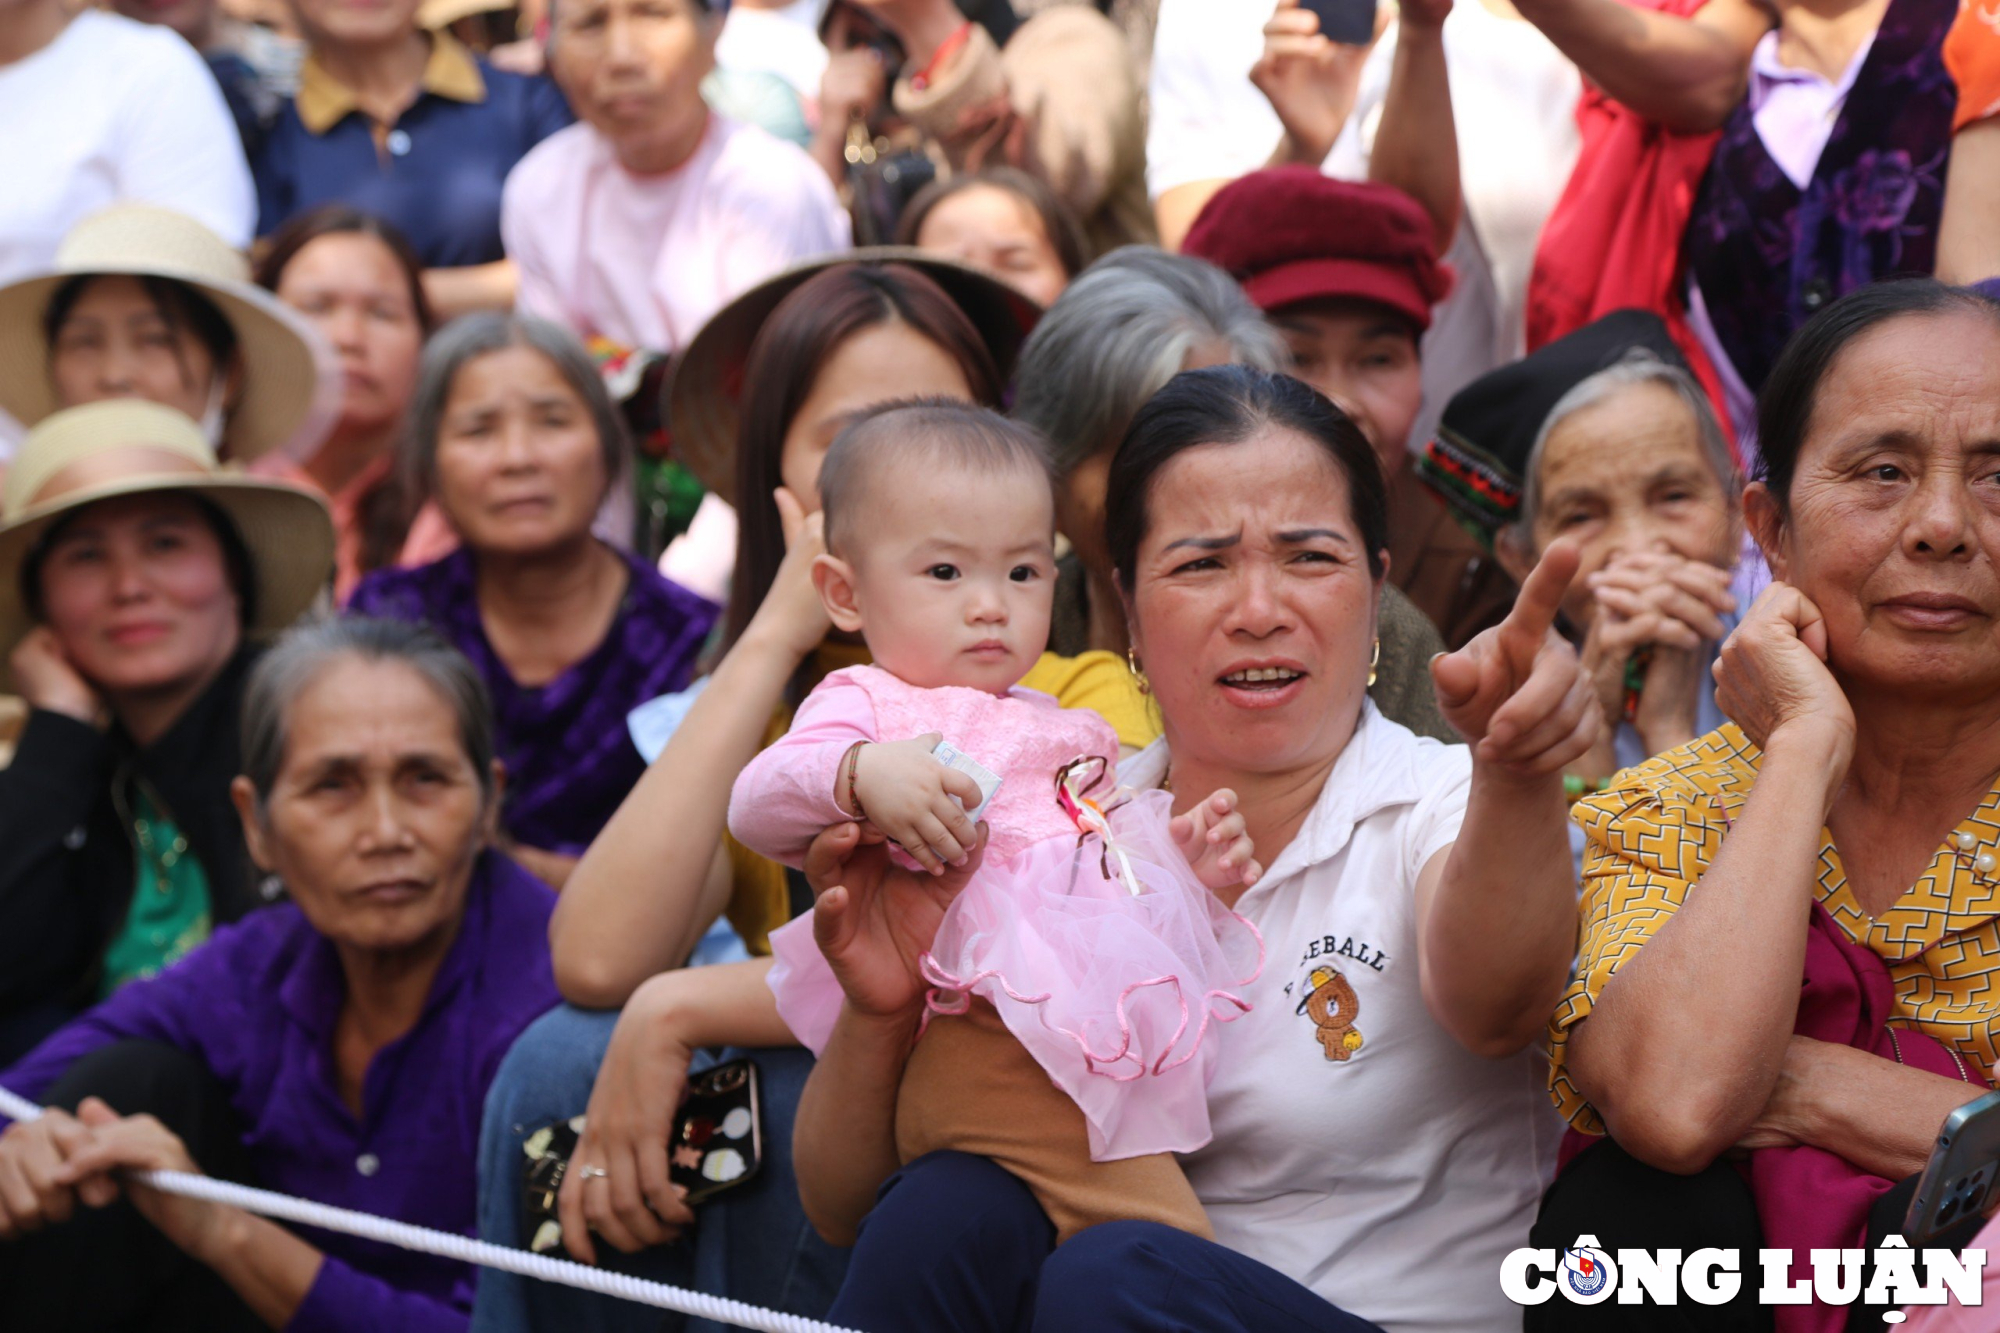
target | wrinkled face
[
  {"x": 116, "y": 342},
  {"x": 356, "y": 22},
  {"x": 1629, "y": 474},
  {"x": 1893, "y": 526},
  {"x": 137, "y": 591},
  {"x": 1364, "y": 357},
  {"x": 633, "y": 68},
  {"x": 877, "y": 365},
  {"x": 194, "y": 20},
  {"x": 953, "y": 574},
  {"x": 377, "y": 815},
  {"x": 352, "y": 288},
  {"x": 519, "y": 465},
  {"x": 1251, "y": 608},
  {"x": 993, "y": 229}
]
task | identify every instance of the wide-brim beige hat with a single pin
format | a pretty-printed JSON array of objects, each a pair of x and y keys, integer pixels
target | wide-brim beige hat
[
  {"x": 100, "y": 451},
  {"x": 704, "y": 398},
  {"x": 291, "y": 393}
]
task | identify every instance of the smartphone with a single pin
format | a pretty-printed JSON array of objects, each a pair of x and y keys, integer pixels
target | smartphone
[
  {"x": 1349, "y": 22},
  {"x": 1958, "y": 1181},
  {"x": 717, "y": 1143}
]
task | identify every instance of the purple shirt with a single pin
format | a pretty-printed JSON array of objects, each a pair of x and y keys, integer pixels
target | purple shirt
[
  {"x": 257, "y": 1005},
  {"x": 569, "y": 762}
]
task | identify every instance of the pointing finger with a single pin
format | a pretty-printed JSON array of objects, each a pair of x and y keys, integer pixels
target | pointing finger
[{"x": 1527, "y": 626}]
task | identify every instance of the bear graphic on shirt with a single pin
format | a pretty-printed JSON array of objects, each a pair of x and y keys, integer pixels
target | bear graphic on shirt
[{"x": 1331, "y": 1004}]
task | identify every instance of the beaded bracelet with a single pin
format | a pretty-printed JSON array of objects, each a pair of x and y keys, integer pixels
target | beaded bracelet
[
  {"x": 851, "y": 763},
  {"x": 1576, "y": 788}
]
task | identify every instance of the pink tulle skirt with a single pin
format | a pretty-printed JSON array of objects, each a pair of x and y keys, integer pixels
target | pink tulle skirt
[{"x": 1114, "y": 994}]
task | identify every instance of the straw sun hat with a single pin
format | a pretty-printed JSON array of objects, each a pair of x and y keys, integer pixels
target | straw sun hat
[
  {"x": 704, "y": 400},
  {"x": 127, "y": 446},
  {"x": 286, "y": 402}
]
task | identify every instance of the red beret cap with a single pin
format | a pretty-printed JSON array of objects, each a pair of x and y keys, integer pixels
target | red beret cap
[{"x": 1291, "y": 234}]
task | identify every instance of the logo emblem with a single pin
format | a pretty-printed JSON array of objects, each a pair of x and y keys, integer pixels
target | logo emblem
[
  {"x": 1331, "y": 1004},
  {"x": 1588, "y": 1273}
]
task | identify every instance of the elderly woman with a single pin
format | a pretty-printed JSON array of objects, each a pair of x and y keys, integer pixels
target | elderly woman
[
  {"x": 1418, "y": 916},
  {"x": 1839, "y": 833},
  {"x": 513, "y": 434},
  {"x": 1604, "y": 439},
  {"x": 653, "y": 212},
  {"x": 144, "y": 302},
  {"x": 410, "y": 126},
  {"x": 1137, "y": 318},
  {"x": 356, "y": 279},
  {"x": 337, "y": 1047},
  {"x": 134, "y": 575}
]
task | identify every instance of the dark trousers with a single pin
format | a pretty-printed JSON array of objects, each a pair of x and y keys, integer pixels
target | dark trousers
[
  {"x": 107, "y": 1270},
  {"x": 956, "y": 1245},
  {"x": 1612, "y": 1195}
]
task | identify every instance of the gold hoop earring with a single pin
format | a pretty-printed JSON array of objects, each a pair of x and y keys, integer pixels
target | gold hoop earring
[
  {"x": 1374, "y": 661},
  {"x": 1138, "y": 672}
]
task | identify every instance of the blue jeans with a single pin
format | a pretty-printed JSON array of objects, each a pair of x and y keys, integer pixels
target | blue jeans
[
  {"x": 750, "y": 1244},
  {"x": 956, "y": 1245}
]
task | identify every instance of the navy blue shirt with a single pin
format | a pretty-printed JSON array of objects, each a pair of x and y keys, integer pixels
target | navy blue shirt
[{"x": 439, "y": 174}]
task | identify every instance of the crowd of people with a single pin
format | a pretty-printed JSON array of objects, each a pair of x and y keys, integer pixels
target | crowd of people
[{"x": 1134, "y": 620}]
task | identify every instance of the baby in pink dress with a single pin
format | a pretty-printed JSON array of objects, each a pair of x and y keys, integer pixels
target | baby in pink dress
[{"x": 1077, "y": 977}]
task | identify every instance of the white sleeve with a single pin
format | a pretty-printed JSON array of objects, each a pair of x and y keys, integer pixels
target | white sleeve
[
  {"x": 1208, "y": 121},
  {"x": 178, "y": 145},
  {"x": 1433, "y": 824}
]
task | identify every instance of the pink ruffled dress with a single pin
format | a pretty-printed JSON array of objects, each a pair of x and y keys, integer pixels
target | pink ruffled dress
[{"x": 1113, "y": 993}]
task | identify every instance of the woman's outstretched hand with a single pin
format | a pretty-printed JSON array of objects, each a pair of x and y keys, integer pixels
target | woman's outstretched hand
[
  {"x": 874, "y": 920},
  {"x": 1516, "y": 692}
]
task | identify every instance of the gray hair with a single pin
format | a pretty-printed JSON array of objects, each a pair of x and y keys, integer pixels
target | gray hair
[
  {"x": 1118, "y": 334},
  {"x": 303, "y": 654},
  {"x": 472, "y": 336},
  {"x": 1638, "y": 366}
]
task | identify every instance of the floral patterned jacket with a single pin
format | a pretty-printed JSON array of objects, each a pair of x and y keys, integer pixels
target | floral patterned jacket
[{"x": 1769, "y": 255}]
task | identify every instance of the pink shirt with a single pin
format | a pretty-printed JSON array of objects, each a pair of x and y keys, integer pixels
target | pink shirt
[
  {"x": 784, "y": 798},
  {"x": 645, "y": 260}
]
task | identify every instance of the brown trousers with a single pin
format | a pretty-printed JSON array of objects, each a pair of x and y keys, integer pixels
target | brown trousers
[{"x": 971, "y": 1087}]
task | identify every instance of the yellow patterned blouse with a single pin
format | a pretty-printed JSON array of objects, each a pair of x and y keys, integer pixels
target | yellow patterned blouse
[{"x": 1653, "y": 835}]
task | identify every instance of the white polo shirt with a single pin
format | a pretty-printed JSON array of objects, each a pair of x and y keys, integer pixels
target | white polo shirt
[{"x": 1358, "y": 1148}]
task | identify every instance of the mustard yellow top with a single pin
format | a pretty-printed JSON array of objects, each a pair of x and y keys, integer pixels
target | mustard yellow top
[
  {"x": 324, "y": 101},
  {"x": 759, "y": 902},
  {"x": 1656, "y": 831}
]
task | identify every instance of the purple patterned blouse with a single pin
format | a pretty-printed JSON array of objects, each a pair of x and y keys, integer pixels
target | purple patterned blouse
[
  {"x": 569, "y": 760},
  {"x": 1767, "y": 254}
]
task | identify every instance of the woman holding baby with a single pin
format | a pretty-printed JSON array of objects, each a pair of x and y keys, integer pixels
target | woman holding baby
[{"x": 1378, "y": 1132}]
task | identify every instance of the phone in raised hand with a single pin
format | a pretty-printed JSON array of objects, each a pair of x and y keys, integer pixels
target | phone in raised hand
[{"x": 1349, "y": 22}]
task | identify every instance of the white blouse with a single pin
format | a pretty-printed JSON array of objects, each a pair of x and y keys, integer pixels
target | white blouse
[{"x": 1359, "y": 1149}]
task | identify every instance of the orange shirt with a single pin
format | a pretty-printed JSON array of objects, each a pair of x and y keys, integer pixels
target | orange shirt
[
  {"x": 430, "y": 536},
  {"x": 1972, "y": 55}
]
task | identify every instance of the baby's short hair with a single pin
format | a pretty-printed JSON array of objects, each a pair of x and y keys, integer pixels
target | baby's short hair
[{"x": 927, "y": 432}]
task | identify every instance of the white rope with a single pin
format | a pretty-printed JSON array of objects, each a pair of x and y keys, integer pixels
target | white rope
[{"x": 447, "y": 1246}]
